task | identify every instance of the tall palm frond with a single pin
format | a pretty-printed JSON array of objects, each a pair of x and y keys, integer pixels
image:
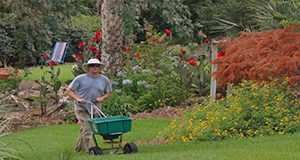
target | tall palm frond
[
  {"x": 276, "y": 14},
  {"x": 234, "y": 17}
]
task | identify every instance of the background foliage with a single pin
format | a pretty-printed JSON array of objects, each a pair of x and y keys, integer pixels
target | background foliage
[{"x": 30, "y": 28}]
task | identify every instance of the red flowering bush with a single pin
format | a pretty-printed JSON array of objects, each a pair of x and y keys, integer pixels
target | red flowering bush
[
  {"x": 90, "y": 47},
  {"x": 157, "y": 73}
]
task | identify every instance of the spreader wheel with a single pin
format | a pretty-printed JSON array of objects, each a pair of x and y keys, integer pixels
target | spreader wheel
[
  {"x": 95, "y": 151},
  {"x": 130, "y": 148}
]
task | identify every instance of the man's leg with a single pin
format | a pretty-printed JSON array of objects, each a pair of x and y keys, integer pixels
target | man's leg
[{"x": 85, "y": 140}]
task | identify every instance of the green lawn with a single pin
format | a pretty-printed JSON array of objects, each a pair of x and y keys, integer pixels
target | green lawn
[
  {"x": 51, "y": 141},
  {"x": 65, "y": 76}
]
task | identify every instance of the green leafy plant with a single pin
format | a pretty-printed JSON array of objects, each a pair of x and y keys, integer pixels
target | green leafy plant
[
  {"x": 249, "y": 110},
  {"x": 120, "y": 104},
  {"x": 54, "y": 84}
]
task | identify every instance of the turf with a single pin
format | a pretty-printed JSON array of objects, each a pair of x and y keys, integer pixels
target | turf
[
  {"x": 65, "y": 69},
  {"x": 51, "y": 142}
]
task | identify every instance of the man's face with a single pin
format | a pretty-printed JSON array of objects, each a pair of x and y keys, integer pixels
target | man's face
[{"x": 94, "y": 68}]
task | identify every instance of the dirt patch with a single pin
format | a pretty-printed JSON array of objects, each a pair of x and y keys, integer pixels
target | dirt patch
[{"x": 166, "y": 112}]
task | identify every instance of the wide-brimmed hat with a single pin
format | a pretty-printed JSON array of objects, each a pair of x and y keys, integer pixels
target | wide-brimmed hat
[{"x": 92, "y": 61}]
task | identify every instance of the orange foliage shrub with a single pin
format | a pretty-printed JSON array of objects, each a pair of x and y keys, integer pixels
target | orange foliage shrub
[{"x": 260, "y": 56}]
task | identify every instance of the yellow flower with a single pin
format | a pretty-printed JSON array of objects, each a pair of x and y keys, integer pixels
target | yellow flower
[
  {"x": 238, "y": 110},
  {"x": 285, "y": 119},
  {"x": 223, "y": 118},
  {"x": 272, "y": 132},
  {"x": 191, "y": 122},
  {"x": 183, "y": 139},
  {"x": 249, "y": 131},
  {"x": 190, "y": 135},
  {"x": 281, "y": 133},
  {"x": 241, "y": 135},
  {"x": 283, "y": 109}
]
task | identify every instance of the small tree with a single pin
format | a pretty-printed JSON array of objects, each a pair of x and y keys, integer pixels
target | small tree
[{"x": 260, "y": 56}]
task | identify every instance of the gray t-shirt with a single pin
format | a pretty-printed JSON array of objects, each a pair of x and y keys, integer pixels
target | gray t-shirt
[{"x": 90, "y": 89}]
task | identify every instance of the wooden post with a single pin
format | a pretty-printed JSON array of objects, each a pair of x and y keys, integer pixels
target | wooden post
[{"x": 213, "y": 82}]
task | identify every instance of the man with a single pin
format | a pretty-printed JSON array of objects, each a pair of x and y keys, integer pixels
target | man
[{"x": 92, "y": 86}]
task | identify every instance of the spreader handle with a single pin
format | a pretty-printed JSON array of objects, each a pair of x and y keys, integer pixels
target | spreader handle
[{"x": 99, "y": 112}]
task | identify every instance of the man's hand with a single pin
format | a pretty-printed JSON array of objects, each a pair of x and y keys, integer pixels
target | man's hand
[
  {"x": 100, "y": 99},
  {"x": 80, "y": 100}
]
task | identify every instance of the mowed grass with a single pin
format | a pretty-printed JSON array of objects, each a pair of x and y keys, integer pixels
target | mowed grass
[
  {"x": 51, "y": 141},
  {"x": 65, "y": 76}
]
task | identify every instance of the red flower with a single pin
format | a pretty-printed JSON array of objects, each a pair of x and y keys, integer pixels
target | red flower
[
  {"x": 203, "y": 33},
  {"x": 192, "y": 61},
  {"x": 81, "y": 44},
  {"x": 52, "y": 63},
  {"x": 96, "y": 39},
  {"x": 78, "y": 56},
  {"x": 147, "y": 37},
  {"x": 168, "y": 32},
  {"x": 98, "y": 33},
  {"x": 46, "y": 56},
  {"x": 221, "y": 54},
  {"x": 92, "y": 48},
  {"x": 97, "y": 53},
  {"x": 137, "y": 54},
  {"x": 128, "y": 48},
  {"x": 182, "y": 50},
  {"x": 207, "y": 41}
]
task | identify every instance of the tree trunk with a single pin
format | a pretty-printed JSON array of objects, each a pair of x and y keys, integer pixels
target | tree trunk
[{"x": 112, "y": 31}]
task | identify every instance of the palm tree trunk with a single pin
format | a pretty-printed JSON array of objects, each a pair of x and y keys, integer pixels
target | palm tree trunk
[{"x": 112, "y": 31}]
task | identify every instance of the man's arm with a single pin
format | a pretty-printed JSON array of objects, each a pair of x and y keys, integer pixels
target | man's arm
[
  {"x": 73, "y": 95},
  {"x": 103, "y": 97}
]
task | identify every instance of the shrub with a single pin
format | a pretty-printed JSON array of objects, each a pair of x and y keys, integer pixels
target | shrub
[
  {"x": 271, "y": 59},
  {"x": 119, "y": 104},
  {"x": 9, "y": 84},
  {"x": 249, "y": 110},
  {"x": 13, "y": 81}
]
